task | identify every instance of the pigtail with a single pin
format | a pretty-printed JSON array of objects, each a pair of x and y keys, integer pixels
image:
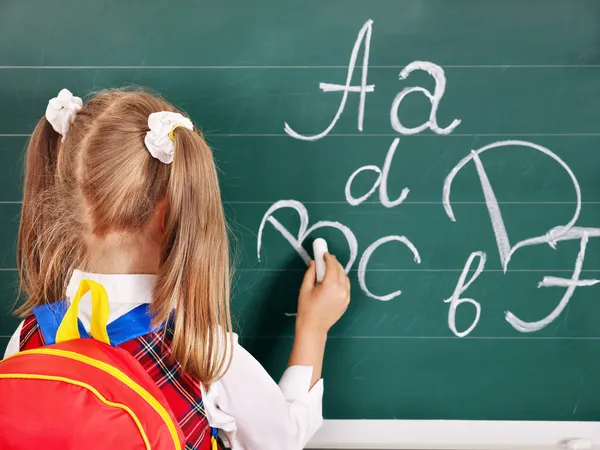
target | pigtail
[
  {"x": 194, "y": 278},
  {"x": 40, "y": 170}
]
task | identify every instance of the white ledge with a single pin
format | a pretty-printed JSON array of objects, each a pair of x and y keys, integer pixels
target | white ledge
[{"x": 452, "y": 435}]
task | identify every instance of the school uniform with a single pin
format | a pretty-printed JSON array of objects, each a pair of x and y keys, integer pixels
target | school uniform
[{"x": 249, "y": 408}]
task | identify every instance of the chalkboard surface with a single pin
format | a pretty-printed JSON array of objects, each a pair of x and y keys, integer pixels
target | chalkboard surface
[{"x": 474, "y": 126}]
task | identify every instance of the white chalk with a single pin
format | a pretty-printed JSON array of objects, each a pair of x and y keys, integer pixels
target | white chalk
[
  {"x": 319, "y": 249},
  {"x": 579, "y": 444}
]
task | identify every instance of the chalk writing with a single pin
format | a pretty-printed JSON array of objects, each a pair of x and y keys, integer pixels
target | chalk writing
[
  {"x": 455, "y": 301},
  {"x": 440, "y": 87},
  {"x": 304, "y": 231},
  {"x": 364, "y": 260},
  {"x": 380, "y": 182},
  {"x": 571, "y": 284},
  {"x": 506, "y": 250},
  {"x": 363, "y": 35}
]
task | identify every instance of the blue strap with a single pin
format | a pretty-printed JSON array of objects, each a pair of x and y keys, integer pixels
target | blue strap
[
  {"x": 135, "y": 323},
  {"x": 49, "y": 318}
]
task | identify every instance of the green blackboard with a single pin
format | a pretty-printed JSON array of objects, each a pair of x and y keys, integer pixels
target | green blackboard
[{"x": 522, "y": 74}]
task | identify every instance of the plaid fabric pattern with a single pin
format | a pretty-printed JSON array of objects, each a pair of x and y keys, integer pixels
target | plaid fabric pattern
[
  {"x": 153, "y": 352},
  {"x": 31, "y": 336}
]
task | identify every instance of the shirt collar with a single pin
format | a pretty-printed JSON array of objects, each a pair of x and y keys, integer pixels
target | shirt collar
[{"x": 121, "y": 288}]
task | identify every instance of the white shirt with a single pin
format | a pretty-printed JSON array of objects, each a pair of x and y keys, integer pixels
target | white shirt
[{"x": 249, "y": 408}]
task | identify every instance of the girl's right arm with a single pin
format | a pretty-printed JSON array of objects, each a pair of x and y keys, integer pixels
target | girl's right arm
[
  {"x": 256, "y": 413},
  {"x": 319, "y": 308}
]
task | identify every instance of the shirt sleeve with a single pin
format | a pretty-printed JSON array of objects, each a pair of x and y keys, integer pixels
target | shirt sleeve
[
  {"x": 256, "y": 413},
  {"x": 14, "y": 343}
]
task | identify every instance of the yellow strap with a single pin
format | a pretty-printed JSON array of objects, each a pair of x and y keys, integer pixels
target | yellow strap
[
  {"x": 68, "y": 329},
  {"x": 213, "y": 441}
]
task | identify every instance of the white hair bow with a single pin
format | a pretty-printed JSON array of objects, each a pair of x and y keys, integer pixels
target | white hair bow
[
  {"x": 160, "y": 139},
  {"x": 61, "y": 111}
]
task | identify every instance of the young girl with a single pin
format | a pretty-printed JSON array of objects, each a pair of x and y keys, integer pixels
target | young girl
[{"x": 123, "y": 191}]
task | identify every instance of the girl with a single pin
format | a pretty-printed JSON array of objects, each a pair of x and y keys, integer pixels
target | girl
[{"x": 123, "y": 191}]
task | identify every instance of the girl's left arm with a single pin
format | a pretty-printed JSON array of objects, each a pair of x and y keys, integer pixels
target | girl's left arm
[{"x": 14, "y": 343}]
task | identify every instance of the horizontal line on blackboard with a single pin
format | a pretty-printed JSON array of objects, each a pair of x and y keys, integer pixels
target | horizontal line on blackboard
[
  {"x": 15, "y": 202},
  {"x": 414, "y": 135},
  {"x": 420, "y": 270},
  {"x": 283, "y": 135},
  {"x": 14, "y": 269},
  {"x": 407, "y": 203},
  {"x": 284, "y": 67},
  {"x": 468, "y": 338}
]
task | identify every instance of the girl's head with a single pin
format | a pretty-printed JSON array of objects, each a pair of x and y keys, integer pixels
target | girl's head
[{"x": 97, "y": 200}]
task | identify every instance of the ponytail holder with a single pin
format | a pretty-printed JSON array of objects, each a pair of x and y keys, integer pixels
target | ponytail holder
[
  {"x": 160, "y": 139},
  {"x": 62, "y": 110}
]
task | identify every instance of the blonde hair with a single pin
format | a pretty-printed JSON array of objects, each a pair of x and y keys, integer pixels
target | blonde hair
[{"x": 102, "y": 180}]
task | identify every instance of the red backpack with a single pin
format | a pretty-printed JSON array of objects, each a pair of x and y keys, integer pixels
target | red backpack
[{"x": 82, "y": 393}]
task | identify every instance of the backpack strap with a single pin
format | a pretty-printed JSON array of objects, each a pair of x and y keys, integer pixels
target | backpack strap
[
  {"x": 69, "y": 327},
  {"x": 132, "y": 325},
  {"x": 58, "y": 321}
]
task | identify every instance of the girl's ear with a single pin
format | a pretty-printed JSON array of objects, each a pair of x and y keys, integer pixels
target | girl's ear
[
  {"x": 161, "y": 213},
  {"x": 156, "y": 227}
]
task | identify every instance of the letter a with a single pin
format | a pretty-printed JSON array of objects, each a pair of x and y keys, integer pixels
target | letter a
[{"x": 364, "y": 34}]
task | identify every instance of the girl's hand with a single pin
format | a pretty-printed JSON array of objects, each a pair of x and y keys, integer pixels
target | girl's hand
[{"x": 320, "y": 307}]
